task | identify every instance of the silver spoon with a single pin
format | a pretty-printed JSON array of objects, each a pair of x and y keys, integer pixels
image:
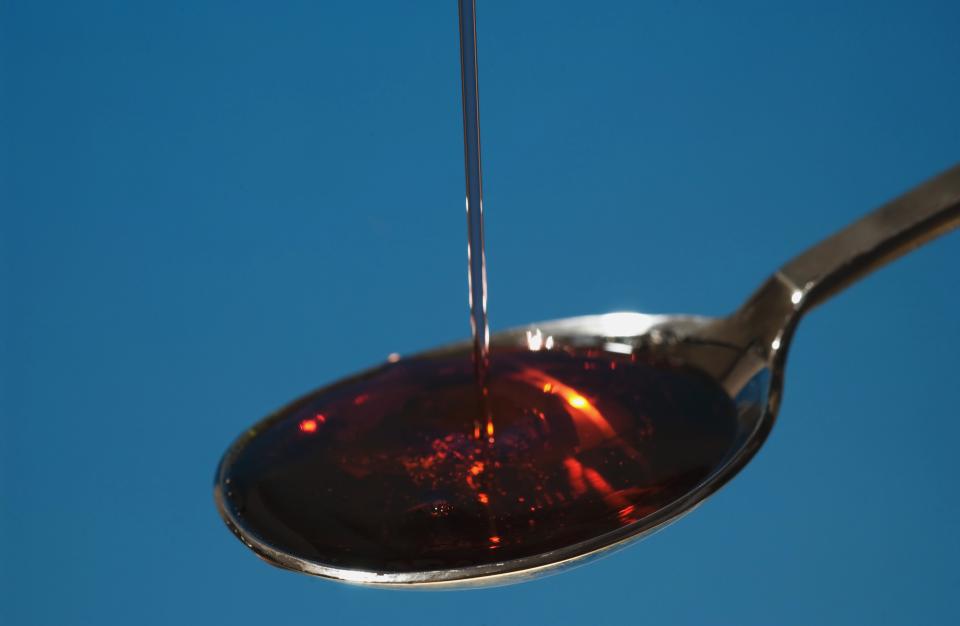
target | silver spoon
[{"x": 744, "y": 354}]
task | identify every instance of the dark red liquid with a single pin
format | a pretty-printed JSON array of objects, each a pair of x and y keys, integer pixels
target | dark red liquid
[{"x": 386, "y": 471}]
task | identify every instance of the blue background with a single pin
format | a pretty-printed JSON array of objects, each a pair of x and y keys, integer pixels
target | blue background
[{"x": 209, "y": 208}]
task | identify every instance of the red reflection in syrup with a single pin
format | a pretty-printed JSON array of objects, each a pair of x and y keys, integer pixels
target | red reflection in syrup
[{"x": 310, "y": 425}]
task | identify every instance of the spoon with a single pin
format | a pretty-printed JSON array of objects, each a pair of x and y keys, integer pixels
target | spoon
[{"x": 339, "y": 486}]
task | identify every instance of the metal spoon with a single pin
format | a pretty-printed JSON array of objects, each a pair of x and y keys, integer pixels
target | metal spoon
[{"x": 744, "y": 353}]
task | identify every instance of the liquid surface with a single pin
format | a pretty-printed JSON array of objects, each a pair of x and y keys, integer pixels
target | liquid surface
[{"x": 384, "y": 472}]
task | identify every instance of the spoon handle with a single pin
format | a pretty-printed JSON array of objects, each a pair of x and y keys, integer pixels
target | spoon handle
[{"x": 884, "y": 235}]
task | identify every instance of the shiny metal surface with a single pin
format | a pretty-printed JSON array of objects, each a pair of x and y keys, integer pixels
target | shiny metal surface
[{"x": 744, "y": 352}]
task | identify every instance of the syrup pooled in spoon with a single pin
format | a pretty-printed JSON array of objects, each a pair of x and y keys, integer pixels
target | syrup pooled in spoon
[{"x": 386, "y": 471}]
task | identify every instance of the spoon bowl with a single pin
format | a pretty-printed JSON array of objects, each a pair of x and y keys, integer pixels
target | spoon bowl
[
  {"x": 391, "y": 494},
  {"x": 592, "y": 497}
]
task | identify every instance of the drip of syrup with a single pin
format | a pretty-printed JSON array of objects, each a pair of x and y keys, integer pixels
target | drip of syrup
[{"x": 476, "y": 258}]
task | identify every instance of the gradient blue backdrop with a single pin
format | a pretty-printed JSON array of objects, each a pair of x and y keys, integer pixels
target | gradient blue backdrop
[{"x": 209, "y": 208}]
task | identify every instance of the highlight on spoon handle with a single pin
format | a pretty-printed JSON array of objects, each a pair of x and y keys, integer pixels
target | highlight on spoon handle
[{"x": 882, "y": 236}]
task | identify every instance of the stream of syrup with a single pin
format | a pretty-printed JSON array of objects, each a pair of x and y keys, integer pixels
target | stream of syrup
[{"x": 476, "y": 257}]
